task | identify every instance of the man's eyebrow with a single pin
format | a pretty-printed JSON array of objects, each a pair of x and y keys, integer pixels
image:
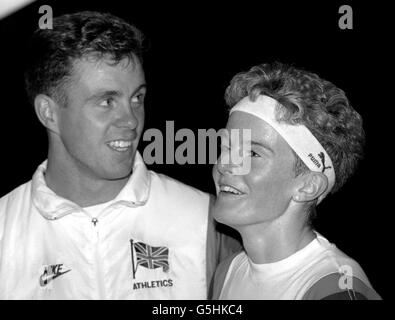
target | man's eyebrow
[
  {"x": 263, "y": 145},
  {"x": 141, "y": 86},
  {"x": 103, "y": 93},
  {"x": 113, "y": 93}
]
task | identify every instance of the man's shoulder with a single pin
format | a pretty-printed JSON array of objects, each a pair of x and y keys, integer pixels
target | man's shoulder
[
  {"x": 175, "y": 187},
  {"x": 15, "y": 196},
  {"x": 11, "y": 203}
]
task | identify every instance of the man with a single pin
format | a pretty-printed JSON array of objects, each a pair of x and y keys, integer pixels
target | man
[
  {"x": 305, "y": 142},
  {"x": 94, "y": 223}
]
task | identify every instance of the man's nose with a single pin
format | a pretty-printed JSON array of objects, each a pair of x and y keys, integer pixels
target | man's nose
[{"x": 127, "y": 117}]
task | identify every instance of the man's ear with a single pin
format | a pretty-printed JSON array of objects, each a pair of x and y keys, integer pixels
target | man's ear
[
  {"x": 314, "y": 185},
  {"x": 47, "y": 112}
]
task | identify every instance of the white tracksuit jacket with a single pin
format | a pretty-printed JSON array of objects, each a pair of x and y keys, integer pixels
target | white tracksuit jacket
[{"x": 148, "y": 243}]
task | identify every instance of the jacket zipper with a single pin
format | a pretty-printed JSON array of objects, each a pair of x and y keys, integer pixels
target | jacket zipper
[
  {"x": 99, "y": 267},
  {"x": 95, "y": 221}
]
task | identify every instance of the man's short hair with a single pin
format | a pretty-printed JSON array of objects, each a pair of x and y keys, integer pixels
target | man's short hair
[
  {"x": 52, "y": 51},
  {"x": 314, "y": 102}
]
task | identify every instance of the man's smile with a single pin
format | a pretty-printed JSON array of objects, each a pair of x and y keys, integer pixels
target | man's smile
[{"x": 120, "y": 145}]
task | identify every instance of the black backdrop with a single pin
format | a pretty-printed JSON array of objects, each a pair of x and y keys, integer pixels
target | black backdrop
[{"x": 195, "y": 50}]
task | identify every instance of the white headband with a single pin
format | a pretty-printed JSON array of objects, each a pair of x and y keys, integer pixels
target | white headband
[{"x": 298, "y": 137}]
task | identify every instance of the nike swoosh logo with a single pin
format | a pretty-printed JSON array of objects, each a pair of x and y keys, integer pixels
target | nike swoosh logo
[{"x": 44, "y": 279}]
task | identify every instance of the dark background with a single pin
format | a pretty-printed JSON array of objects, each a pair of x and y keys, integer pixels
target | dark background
[{"x": 195, "y": 50}]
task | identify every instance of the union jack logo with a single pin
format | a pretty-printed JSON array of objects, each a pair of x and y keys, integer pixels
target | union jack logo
[{"x": 149, "y": 257}]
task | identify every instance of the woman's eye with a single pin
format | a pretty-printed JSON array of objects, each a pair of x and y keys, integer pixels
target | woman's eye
[{"x": 254, "y": 154}]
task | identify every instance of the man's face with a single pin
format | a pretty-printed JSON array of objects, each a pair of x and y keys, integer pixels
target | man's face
[
  {"x": 100, "y": 127},
  {"x": 263, "y": 193}
]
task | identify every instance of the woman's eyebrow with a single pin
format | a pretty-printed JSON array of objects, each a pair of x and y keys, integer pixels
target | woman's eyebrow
[{"x": 261, "y": 144}]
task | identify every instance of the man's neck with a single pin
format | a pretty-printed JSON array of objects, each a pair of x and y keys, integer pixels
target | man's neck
[
  {"x": 277, "y": 239},
  {"x": 84, "y": 190}
]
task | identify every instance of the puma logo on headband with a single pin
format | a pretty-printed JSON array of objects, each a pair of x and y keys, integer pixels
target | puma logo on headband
[
  {"x": 322, "y": 156},
  {"x": 316, "y": 162}
]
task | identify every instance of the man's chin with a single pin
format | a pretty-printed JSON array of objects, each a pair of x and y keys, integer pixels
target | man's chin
[
  {"x": 120, "y": 170},
  {"x": 119, "y": 174}
]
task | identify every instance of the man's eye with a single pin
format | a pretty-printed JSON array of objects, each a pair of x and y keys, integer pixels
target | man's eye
[
  {"x": 108, "y": 102},
  {"x": 138, "y": 99}
]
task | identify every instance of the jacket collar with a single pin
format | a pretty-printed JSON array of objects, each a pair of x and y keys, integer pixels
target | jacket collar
[{"x": 135, "y": 193}]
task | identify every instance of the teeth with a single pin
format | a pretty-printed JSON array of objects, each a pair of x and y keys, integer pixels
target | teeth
[
  {"x": 120, "y": 144},
  {"x": 230, "y": 189}
]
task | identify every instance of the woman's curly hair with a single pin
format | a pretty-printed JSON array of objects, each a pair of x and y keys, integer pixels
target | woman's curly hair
[{"x": 309, "y": 100}]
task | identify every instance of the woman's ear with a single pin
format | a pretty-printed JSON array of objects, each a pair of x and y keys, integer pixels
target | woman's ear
[
  {"x": 47, "y": 110},
  {"x": 313, "y": 186}
]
